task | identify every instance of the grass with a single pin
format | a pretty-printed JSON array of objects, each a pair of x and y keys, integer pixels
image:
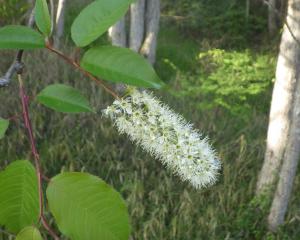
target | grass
[{"x": 160, "y": 205}]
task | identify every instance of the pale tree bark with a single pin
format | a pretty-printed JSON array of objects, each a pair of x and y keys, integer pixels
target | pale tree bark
[
  {"x": 117, "y": 33},
  {"x": 272, "y": 17},
  {"x": 152, "y": 27},
  {"x": 279, "y": 121},
  {"x": 144, "y": 20},
  {"x": 59, "y": 22},
  {"x": 292, "y": 151},
  {"x": 137, "y": 16},
  {"x": 118, "y": 37},
  {"x": 288, "y": 170}
]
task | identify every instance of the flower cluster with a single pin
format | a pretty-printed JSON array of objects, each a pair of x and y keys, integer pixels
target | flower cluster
[{"x": 166, "y": 135}]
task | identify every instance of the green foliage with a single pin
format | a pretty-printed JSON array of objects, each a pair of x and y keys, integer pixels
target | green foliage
[
  {"x": 231, "y": 27},
  {"x": 63, "y": 98},
  {"x": 12, "y": 10},
  {"x": 18, "y": 196},
  {"x": 42, "y": 17},
  {"x": 223, "y": 22},
  {"x": 3, "y": 127},
  {"x": 160, "y": 206},
  {"x": 230, "y": 80},
  {"x": 120, "y": 65},
  {"x": 250, "y": 218},
  {"x": 29, "y": 233},
  {"x": 175, "y": 53},
  {"x": 96, "y": 18},
  {"x": 85, "y": 207},
  {"x": 20, "y": 37},
  {"x": 189, "y": 10}
]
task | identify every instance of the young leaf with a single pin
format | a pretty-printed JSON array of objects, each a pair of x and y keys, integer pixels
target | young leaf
[
  {"x": 29, "y": 233},
  {"x": 96, "y": 18},
  {"x": 19, "y": 198},
  {"x": 64, "y": 99},
  {"x": 3, "y": 127},
  {"x": 42, "y": 17},
  {"x": 85, "y": 207},
  {"x": 120, "y": 65},
  {"x": 20, "y": 37}
]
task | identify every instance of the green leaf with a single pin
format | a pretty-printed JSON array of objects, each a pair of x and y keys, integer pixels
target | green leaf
[
  {"x": 20, "y": 37},
  {"x": 3, "y": 127},
  {"x": 19, "y": 198},
  {"x": 120, "y": 65},
  {"x": 64, "y": 99},
  {"x": 85, "y": 207},
  {"x": 42, "y": 17},
  {"x": 29, "y": 233},
  {"x": 96, "y": 18}
]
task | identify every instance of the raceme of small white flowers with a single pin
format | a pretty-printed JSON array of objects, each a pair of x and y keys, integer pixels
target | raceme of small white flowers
[{"x": 167, "y": 136}]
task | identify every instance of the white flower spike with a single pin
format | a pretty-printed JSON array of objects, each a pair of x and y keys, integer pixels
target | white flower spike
[{"x": 167, "y": 136}]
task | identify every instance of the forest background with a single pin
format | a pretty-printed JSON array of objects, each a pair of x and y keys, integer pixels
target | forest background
[{"x": 218, "y": 59}]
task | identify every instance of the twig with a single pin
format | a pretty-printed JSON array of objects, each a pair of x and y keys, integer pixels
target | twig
[
  {"x": 24, "y": 99},
  {"x": 48, "y": 228},
  {"x": 77, "y": 66},
  {"x": 15, "y": 66},
  {"x": 25, "y": 108},
  {"x": 176, "y": 17},
  {"x": 283, "y": 20},
  {"x": 5, "y": 80},
  {"x": 7, "y": 232},
  {"x": 46, "y": 178}
]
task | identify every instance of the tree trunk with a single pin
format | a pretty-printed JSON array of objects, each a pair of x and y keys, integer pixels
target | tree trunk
[
  {"x": 118, "y": 36},
  {"x": 272, "y": 17},
  {"x": 152, "y": 26},
  {"x": 117, "y": 33},
  {"x": 59, "y": 22},
  {"x": 247, "y": 13},
  {"x": 292, "y": 152},
  {"x": 283, "y": 7},
  {"x": 137, "y": 14},
  {"x": 280, "y": 121},
  {"x": 288, "y": 171}
]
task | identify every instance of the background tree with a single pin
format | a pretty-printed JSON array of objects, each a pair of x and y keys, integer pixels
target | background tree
[
  {"x": 59, "y": 21},
  {"x": 220, "y": 68},
  {"x": 281, "y": 106},
  {"x": 286, "y": 123},
  {"x": 137, "y": 22},
  {"x": 152, "y": 26},
  {"x": 117, "y": 33},
  {"x": 143, "y": 29},
  {"x": 272, "y": 17}
]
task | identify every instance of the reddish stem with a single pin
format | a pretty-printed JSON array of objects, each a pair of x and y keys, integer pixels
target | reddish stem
[
  {"x": 48, "y": 228},
  {"x": 77, "y": 66},
  {"x": 46, "y": 178},
  {"x": 25, "y": 108},
  {"x": 13, "y": 118}
]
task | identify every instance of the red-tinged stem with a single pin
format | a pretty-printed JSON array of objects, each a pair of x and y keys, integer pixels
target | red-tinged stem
[
  {"x": 46, "y": 178},
  {"x": 48, "y": 228},
  {"x": 77, "y": 66},
  {"x": 13, "y": 118},
  {"x": 25, "y": 108}
]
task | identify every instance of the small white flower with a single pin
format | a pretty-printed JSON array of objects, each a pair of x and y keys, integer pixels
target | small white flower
[{"x": 167, "y": 136}]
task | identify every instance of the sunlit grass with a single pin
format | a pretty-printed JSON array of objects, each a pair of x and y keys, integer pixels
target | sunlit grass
[{"x": 160, "y": 205}]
